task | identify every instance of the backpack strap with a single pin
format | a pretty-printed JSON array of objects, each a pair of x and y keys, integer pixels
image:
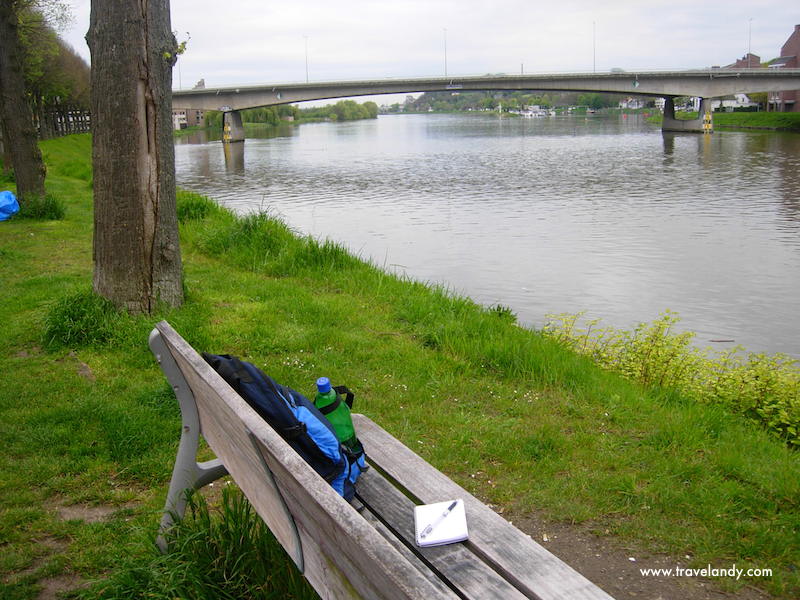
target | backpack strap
[
  {"x": 328, "y": 409},
  {"x": 343, "y": 390}
]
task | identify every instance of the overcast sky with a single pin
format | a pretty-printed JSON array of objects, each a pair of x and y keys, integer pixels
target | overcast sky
[{"x": 253, "y": 41}]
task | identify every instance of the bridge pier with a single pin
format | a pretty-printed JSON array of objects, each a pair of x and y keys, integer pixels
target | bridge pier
[
  {"x": 702, "y": 124},
  {"x": 232, "y": 128}
]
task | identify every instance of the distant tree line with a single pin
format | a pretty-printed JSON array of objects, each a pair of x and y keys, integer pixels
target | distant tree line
[
  {"x": 343, "y": 110},
  {"x": 38, "y": 73},
  {"x": 56, "y": 77},
  {"x": 465, "y": 101},
  {"x": 54, "y": 73},
  {"x": 42, "y": 80}
]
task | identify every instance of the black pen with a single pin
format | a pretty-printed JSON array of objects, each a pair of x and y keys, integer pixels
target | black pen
[{"x": 427, "y": 531}]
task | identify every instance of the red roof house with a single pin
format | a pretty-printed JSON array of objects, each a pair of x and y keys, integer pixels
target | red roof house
[{"x": 787, "y": 101}]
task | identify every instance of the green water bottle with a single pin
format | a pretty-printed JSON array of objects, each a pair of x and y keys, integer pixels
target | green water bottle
[{"x": 335, "y": 408}]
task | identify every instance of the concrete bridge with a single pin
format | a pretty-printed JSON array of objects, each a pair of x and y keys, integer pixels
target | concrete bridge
[{"x": 704, "y": 83}]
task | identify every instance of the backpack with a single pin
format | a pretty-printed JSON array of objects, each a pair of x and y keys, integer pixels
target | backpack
[
  {"x": 8, "y": 205},
  {"x": 296, "y": 420}
]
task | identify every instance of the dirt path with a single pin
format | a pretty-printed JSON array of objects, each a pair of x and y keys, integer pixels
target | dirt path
[{"x": 614, "y": 566}]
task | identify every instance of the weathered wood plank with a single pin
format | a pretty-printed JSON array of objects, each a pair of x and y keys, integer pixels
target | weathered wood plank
[
  {"x": 404, "y": 551},
  {"x": 328, "y": 581},
  {"x": 531, "y": 568},
  {"x": 343, "y": 554},
  {"x": 370, "y": 563},
  {"x": 462, "y": 568}
]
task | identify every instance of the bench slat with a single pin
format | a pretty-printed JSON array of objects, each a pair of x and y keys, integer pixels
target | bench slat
[
  {"x": 369, "y": 562},
  {"x": 513, "y": 554},
  {"x": 462, "y": 568},
  {"x": 404, "y": 551},
  {"x": 343, "y": 555}
]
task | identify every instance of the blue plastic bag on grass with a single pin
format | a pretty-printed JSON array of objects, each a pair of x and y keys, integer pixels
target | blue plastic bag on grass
[{"x": 8, "y": 205}]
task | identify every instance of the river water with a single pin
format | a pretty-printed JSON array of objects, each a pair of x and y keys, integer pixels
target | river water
[{"x": 601, "y": 214}]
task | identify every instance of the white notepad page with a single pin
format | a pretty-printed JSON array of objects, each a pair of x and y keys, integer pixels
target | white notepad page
[{"x": 447, "y": 530}]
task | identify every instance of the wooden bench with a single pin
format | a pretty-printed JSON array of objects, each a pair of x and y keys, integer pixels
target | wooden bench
[{"x": 342, "y": 551}]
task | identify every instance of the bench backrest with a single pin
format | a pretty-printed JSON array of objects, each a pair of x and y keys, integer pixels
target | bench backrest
[{"x": 340, "y": 554}]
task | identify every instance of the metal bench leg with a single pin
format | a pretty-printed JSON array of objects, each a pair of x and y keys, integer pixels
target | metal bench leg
[{"x": 188, "y": 474}]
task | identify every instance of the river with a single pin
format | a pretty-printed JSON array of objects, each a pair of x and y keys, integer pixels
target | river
[{"x": 603, "y": 214}]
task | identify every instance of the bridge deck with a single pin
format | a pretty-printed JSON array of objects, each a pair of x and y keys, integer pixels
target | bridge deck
[{"x": 708, "y": 83}]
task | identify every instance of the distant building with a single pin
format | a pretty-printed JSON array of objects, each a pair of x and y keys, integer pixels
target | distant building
[
  {"x": 688, "y": 104},
  {"x": 786, "y": 101},
  {"x": 633, "y": 103},
  {"x": 748, "y": 61},
  {"x": 179, "y": 118},
  {"x": 730, "y": 103},
  {"x": 187, "y": 117}
]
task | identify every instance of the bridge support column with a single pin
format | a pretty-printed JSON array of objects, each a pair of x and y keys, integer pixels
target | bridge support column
[
  {"x": 232, "y": 128},
  {"x": 702, "y": 124}
]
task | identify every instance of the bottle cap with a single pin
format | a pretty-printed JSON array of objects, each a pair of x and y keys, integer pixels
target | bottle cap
[{"x": 323, "y": 385}]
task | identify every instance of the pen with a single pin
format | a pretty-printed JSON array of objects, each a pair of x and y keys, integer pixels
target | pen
[{"x": 427, "y": 531}]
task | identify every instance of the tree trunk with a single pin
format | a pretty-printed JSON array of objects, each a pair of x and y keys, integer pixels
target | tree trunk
[
  {"x": 5, "y": 157},
  {"x": 137, "y": 260},
  {"x": 20, "y": 136}
]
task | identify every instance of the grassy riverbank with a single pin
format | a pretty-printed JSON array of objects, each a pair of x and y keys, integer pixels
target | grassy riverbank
[
  {"x": 758, "y": 120},
  {"x": 747, "y": 120},
  {"x": 89, "y": 428}
]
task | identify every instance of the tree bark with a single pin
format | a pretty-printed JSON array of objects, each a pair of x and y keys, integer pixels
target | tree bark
[
  {"x": 5, "y": 157},
  {"x": 137, "y": 260},
  {"x": 20, "y": 136}
]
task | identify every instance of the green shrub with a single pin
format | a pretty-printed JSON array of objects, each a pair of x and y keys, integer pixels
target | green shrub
[
  {"x": 249, "y": 240},
  {"x": 310, "y": 254},
  {"x": 48, "y": 208},
  {"x": 265, "y": 244},
  {"x": 224, "y": 553},
  {"x": 81, "y": 319},
  {"x": 760, "y": 387},
  {"x": 503, "y": 312},
  {"x": 194, "y": 207}
]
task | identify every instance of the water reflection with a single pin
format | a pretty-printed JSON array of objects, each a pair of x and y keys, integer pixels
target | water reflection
[
  {"x": 790, "y": 174},
  {"x": 199, "y": 137},
  {"x": 546, "y": 215},
  {"x": 234, "y": 157},
  {"x": 669, "y": 145}
]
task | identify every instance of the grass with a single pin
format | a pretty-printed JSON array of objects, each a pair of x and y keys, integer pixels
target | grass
[
  {"x": 207, "y": 555},
  {"x": 513, "y": 416},
  {"x": 746, "y": 120},
  {"x": 758, "y": 120}
]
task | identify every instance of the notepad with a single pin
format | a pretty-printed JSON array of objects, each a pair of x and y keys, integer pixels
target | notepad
[{"x": 445, "y": 529}]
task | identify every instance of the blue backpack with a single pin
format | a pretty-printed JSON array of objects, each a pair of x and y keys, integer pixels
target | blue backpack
[
  {"x": 296, "y": 420},
  {"x": 8, "y": 205}
]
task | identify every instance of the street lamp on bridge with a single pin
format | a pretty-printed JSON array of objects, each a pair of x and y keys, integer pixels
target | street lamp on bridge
[
  {"x": 445, "y": 52},
  {"x": 305, "y": 37}
]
